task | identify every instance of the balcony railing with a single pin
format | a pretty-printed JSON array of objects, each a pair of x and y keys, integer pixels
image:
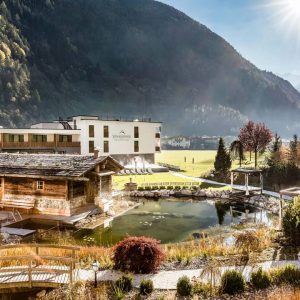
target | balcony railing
[
  {"x": 68, "y": 144},
  {"x": 24, "y": 145}
]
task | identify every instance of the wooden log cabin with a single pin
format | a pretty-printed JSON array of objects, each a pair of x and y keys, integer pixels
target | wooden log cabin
[{"x": 55, "y": 184}]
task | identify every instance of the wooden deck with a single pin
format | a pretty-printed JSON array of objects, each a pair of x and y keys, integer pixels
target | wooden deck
[{"x": 34, "y": 269}]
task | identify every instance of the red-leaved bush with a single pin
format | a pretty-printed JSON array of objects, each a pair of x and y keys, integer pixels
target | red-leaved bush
[{"x": 138, "y": 255}]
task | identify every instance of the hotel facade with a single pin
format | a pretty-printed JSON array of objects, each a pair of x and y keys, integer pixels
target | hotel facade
[{"x": 124, "y": 140}]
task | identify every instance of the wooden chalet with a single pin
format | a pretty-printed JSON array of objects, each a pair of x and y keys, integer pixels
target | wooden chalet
[{"x": 55, "y": 184}]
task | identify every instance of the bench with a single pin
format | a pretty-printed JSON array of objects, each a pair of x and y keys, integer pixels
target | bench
[{"x": 19, "y": 203}]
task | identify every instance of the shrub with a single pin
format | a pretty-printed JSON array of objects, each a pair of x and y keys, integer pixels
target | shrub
[
  {"x": 138, "y": 255},
  {"x": 247, "y": 241},
  {"x": 170, "y": 187},
  {"x": 184, "y": 187},
  {"x": 146, "y": 287},
  {"x": 232, "y": 282},
  {"x": 202, "y": 289},
  {"x": 148, "y": 188},
  {"x": 117, "y": 293},
  {"x": 194, "y": 187},
  {"x": 177, "y": 187},
  {"x": 260, "y": 279},
  {"x": 162, "y": 187},
  {"x": 184, "y": 286},
  {"x": 154, "y": 187},
  {"x": 124, "y": 283},
  {"x": 286, "y": 275},
  {"x": 291, "y": 222},
  {"x": 140, "y": 188}
]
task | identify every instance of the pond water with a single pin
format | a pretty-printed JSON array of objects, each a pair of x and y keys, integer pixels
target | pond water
[
  {"x": 168, "y": 220},
  {"x": 171, "y": 221}
]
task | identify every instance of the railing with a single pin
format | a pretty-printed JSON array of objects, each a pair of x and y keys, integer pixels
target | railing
[
  {"x": 20, "y": 145},
  {"x": 35, "y": 270},
  {"x": 68, "y": 144},
  {"x": 166, "y": 184}
]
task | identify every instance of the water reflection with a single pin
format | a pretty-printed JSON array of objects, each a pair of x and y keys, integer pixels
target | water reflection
[{"x": 172, "y": 221}]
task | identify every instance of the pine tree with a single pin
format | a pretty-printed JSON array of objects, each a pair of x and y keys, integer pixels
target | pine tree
[
  {"x": 222, "y": 161},
  {"x": 293, "y": 151},
  {"x": 275, "y": 151}
]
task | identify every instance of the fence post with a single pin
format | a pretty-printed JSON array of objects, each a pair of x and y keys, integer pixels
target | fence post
[
  {"x": 71, "y": 271},
  {"x": 30, "y": 273}
]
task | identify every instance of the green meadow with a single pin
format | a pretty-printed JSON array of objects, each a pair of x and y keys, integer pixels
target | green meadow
[{"x": 194, "y": 163}]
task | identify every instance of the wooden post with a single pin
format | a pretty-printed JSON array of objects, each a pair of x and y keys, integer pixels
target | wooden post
[
  {"x": 30, "y": 274},
  {"x": 231, "y": 180},
  {"x": 261, "y": 183},
  {"x": 246, "y": 183},
  {"x": 37, "y": 254},
  {"x": 71, "y": 271},
  {"x": 280, "y": 212}
]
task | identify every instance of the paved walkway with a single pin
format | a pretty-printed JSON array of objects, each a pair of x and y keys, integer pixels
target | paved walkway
[
  {"x": 235, "y": 186},
  {"x": 167, "y": 280}
]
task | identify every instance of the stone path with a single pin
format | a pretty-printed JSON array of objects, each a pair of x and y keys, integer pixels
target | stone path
[
  {"x": 167, "y": 280},
  {"x": 240, "y": 187}
]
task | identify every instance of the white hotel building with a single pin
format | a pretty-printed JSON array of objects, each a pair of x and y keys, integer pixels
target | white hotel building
[{"x": 122, "y": 139}]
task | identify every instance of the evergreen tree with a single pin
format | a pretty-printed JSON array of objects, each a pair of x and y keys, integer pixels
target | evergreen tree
[
  {"x": 293, "y": 151},
  {"x": 222, "y": 161},
  {"x": 274, "y": 158}
]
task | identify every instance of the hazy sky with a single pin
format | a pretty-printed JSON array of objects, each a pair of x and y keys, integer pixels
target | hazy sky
[{"x": 267, "y": 32}]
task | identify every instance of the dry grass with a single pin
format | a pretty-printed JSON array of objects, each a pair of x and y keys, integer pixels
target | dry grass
[
  {"x": 284, "y": 293},
  {"x": 207, "y": 247}
]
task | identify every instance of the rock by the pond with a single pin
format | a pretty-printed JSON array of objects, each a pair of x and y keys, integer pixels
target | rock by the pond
[{"x": 111, "y": 213}]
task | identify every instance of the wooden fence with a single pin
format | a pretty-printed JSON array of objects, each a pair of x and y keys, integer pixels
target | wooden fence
[{"x": 34, "y": 269}]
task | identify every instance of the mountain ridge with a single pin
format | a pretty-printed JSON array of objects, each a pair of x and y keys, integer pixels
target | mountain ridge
[{"x": 132, "y": 58}]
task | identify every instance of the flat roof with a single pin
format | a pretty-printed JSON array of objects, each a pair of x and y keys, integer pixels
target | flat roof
[
  {"x": 246, "y": 171},
  {"x": 293, "y": 191}
]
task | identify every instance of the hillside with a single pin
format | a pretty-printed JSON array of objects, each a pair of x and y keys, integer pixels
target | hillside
[{"x": 133, "y": 58}]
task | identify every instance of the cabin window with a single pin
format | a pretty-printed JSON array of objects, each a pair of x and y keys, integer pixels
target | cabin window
[
  {"x": 39, "y": 138},
  {"x": 136, "y": 146},
  {"x": 91, "y": 131},
  {"x": 91, "y": 147},
  {"x": 40, "y": 185},
  {"x": 136, "y": 132},
  {"x": 105, "y": 146},
  {"x": 14, "y": 138},
  {"x": 65, "y": 138},
  {"x": 105, "y": 131}
]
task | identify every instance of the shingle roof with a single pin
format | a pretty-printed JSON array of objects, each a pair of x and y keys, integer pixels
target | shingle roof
[{"x": 49, "y": 164}]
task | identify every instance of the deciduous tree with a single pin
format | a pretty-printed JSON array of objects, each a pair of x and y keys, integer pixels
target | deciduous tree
[{"x": 255, "y": 137}]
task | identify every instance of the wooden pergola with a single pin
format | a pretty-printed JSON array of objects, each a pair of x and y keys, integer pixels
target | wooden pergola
[
  {"x": 291, "y": 193},
  {"x": 247, "y": 173}
]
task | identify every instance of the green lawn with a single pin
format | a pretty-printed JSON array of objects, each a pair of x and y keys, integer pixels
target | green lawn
[{"x": 203, "y": 163}]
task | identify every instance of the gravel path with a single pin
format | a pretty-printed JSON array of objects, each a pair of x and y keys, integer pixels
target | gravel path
[{"x": 167, "y": 280}]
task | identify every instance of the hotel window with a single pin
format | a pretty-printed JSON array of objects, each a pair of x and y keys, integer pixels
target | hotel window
[
  {"x": 91, "y": 131},
  {"x": 40, "y": 185},
  {"x": 105, "y": 131},
  {"x": 37, "y": 138},
  {"x": 91, "y": 147},
  {"x": 105, "y": 146},
  {"x": 15, "y": 138},
  {"x": 136, "y": 146},
  {"x": 136, "y": 132},
  {"x": 65, "y": 138}
]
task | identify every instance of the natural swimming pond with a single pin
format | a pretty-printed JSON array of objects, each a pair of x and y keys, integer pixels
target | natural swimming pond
[
  {"x": 168, "y": 220},
  {"x": 172, "y": 220}
]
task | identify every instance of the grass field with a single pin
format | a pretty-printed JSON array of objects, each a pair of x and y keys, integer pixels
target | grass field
[{"x": 203, "y": 163}]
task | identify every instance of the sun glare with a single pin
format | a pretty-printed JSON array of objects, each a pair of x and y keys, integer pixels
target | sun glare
[{"x": 285, "y": 16}]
